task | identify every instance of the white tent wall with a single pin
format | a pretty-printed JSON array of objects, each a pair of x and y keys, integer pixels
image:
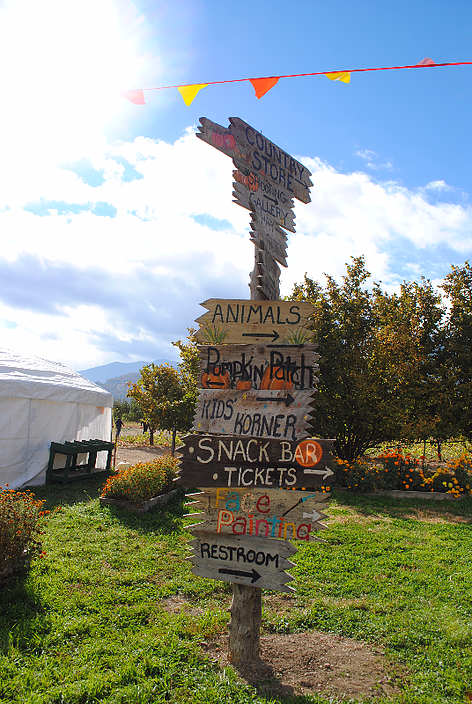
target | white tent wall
[{"x": 43, "y": 402}]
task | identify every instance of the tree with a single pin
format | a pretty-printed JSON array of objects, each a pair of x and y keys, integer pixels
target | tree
[
  {"x": 167, "y": 396},
  {"x": 380, "y": 377},
  {"x": 458, "y": 341}
]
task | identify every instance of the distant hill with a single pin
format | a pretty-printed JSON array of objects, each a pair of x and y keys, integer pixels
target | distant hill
[
  {"x": 109, "y": 372},
  {"x": 118, "y": 386}
]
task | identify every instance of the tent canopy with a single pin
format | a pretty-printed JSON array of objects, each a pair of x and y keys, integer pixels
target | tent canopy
[{"x": 41, "y": 402}]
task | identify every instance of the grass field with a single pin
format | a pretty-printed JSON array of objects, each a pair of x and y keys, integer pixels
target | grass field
[{"x": 90, "y": 622}]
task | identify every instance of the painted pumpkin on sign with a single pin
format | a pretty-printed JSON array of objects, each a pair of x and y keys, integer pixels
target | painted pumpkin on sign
[
  {"x": 278, "y": 380},
  {"x": 244, "y": 385},
  {"x": 215, "y": 380}
]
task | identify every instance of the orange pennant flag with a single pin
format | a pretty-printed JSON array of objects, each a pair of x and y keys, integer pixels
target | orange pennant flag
[
  {"x": 263, "y": 85},
  {"x": 343, "y": 76},
  {"x": 134, "y": 96},
  {"x": 188, "y": 93}
]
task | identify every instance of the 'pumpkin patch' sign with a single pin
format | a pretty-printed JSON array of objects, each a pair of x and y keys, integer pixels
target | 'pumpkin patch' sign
[{"x": 262, "y": 367}]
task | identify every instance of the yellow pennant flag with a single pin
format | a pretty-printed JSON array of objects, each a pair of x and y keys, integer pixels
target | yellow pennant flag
[
  {"x": 343, "y": 76},
  {"x": 188, "y": 93}
]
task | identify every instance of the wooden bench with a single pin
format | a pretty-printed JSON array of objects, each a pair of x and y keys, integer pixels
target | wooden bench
[{"x": 72, "y": 471}]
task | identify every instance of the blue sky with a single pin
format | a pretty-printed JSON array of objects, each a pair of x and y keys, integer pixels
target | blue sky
[{"x": 115, "y": 221}]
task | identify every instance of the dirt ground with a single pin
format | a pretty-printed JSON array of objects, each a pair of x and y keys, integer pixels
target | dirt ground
[
  {"x": 298, "y": 663},
  {"x": 305, "y": 663}
]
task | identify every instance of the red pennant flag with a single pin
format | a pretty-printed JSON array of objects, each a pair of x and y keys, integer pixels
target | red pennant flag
[
  {"x": 134, "y": 96},
  {"x": 426, "y": 62},
  {"x": 263, "y": 85}
]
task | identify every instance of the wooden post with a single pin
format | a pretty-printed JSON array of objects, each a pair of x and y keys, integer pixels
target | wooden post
[
  {"x": 245, "y": 624},
  {"x": 246, "y": 607}
]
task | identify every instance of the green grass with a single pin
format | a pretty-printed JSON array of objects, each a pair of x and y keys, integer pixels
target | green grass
[{"x": 91, "y": 622}]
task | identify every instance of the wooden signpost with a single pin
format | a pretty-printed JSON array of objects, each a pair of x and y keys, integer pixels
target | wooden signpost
[
  {"x": 235, "y": 461},
  {"x": 263, "y": 367},
  {"x": 268, "y": 513},
  {"x": 260, "y": 413},
  {"x": 242, "y": 322},
  {"x": 257, "y": 374},
  {"x": 242, "y": 560}
]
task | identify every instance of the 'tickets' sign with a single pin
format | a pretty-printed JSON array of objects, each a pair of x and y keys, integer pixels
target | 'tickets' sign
[{"x": 232, "y": 461}]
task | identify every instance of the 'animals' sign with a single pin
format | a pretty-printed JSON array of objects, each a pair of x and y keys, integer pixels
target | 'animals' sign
[
  {"x": 244, "y": 367},
  {"x": 234, "y": 461},
  {"x": 242, "y": 559},
  {"x": 259, "y": 413},
  {"x": 266, "y": 513},
  {"x": 239, "y": 321}
]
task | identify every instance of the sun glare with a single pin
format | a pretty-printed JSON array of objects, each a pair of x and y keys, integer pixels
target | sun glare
[{"x": 65, "y": 62}]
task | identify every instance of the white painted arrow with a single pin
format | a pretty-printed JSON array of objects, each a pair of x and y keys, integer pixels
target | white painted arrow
[
  {"x": 314, "y": 515},
  {"x": 326, "y": 472}
]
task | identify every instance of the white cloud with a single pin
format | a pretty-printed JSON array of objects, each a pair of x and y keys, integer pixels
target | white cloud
[{"x": 87, "y": 289}]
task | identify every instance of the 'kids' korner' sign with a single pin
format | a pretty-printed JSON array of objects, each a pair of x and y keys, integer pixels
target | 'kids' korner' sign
[{"x": 244, "y": 322}]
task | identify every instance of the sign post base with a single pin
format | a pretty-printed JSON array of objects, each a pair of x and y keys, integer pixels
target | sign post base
[{"x": 245, "y": 624}]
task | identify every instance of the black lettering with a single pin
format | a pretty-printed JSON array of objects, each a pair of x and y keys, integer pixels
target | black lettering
[
  {"x": 294, "y": 310},
  {"x": 213, "y": 552},
  {"x": 229, "y": 409},
  {"x": 230, "y": 310},
  {"x": 240, "y": 554},
  {"x": 238, "y": 424},
  {"x": 276, "y": 425},
  {"x": 250, "y": 556},
  {"x": 266, "y": 426},
  {"x": 204, "y": 549},
  {"x": 223, "y": 553},
  {"x": 255, "y": 310},
  {"x": 231, "y": 549},
  {"x": 218, "y": 314},
  {"x": 270, "y": 314},
  {"x": 272, "y": 558},
  {"x": 260, "y": 558}
]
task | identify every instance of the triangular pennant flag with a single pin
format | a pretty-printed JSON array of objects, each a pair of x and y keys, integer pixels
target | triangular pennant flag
[
  {"x": 134, "y": 96},
  {"x": 426, "y": 62},
  {"x": 188, "y": 93},
  {"x": 263, "y": 85},
  {"x": 343, "y": 76}
]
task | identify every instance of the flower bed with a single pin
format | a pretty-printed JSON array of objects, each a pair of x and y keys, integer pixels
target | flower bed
[
  {"x": 143, "y": 481},
  {"x": 20, "y": 528},
  {"x": 393, "y": 471}
]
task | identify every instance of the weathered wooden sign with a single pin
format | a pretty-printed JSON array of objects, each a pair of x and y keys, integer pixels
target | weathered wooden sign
[
  {"x": 235, "y": 461},
  {"x": 259, "y": 413},
  {"x": 266, "y": 275},
  {"x": 243, "y": 560},
  {"x": 252, "y": 151},
  {"x": 238, "y": 321},
  {"x": 278, "y": 207},
  {"x": 270, "y": 240},
  {"x": 265, "y": 513},
  {"x": 264, "y": 367}
]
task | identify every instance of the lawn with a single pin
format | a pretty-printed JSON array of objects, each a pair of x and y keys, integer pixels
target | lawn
[{"x": 92, "y": 621}]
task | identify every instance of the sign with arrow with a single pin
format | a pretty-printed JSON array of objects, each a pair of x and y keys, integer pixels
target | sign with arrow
[
  {"x": 235, "y": 461},
  {"x": 264, "y": 367},
  {"x": 244, "y": 560},
  {"x": 257, "y": 413},
  {"x": 235, "y": 321},
  {"x": 265, "y": 513},
  {"x": 268, "y": 201}
]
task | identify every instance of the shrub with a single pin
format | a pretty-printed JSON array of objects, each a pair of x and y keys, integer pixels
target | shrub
[
  {"x": 143, "y": 481},
  {"x": 20, "y": 525},
  {"x": 358, "y": 475},
  {"x": 398, "y": 471}
]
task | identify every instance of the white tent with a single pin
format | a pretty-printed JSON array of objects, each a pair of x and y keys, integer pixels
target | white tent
[{"x": 43, "y": 402}]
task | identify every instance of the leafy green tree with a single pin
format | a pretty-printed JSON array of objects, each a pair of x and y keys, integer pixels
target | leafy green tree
[
  {"x": 382, "y": 365},
  {"x": 352, "y": 404},
  {"x": 167, "y": 396},
  {"x": 458, "y": 341}
]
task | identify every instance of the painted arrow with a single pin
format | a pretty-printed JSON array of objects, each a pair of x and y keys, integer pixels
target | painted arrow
[
  {"x": 274, "y": 334},
  {"x": 314, "y": 515},
  {"x": 253, "y": 576},
  {"x": 300, "y": 501},
  {"x": 287, "y": 400},
  {"x": 326, "y": 472}
]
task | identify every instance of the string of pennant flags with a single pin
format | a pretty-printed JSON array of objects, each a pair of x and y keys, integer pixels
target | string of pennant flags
[{"x": 264, "y": 84}]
